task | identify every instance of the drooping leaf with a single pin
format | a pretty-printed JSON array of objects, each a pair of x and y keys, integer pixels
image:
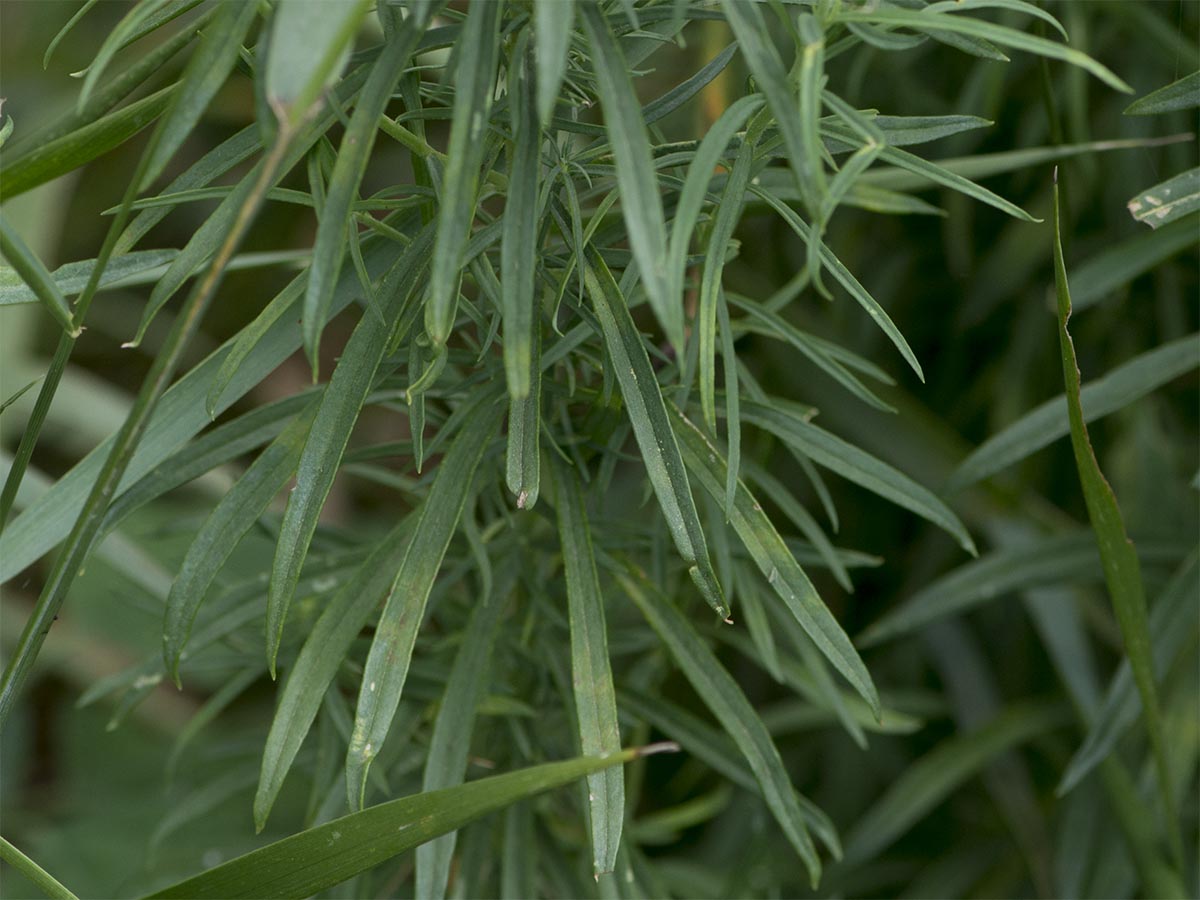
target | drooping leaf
[
  {"x": 1172, "y": 199},
  {"x": 1181, "y": 94}
]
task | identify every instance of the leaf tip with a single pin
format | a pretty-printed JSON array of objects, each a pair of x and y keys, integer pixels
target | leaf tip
[{"x": 656, "y": 748}]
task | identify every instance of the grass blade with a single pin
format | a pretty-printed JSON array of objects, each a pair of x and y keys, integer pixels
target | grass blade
[
  {"x": 652, "y": 428},
  {"x": 475, "y": 80},
  {"x": 523, "y": 453},
  {"x": 1122, "y": 571},
  {"x": 326, "y": 443},
  {"x": 641, "y": 202},
  {"x": 303, "y": 864},
  {"x": 591, "y": 672},
  {"x": 725, "y": 699},
  {"x": 386, "y": 668},
  {"x": 707, "y": 464},
  {"x": 858, "y": 466},
  {"x": 519, "y": 244},
  {"x": 1172, "y": 624},
  {"x": 1050, "y": 421}
]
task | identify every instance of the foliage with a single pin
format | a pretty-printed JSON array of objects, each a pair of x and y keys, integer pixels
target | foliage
[{"x": 490, "y": 429}]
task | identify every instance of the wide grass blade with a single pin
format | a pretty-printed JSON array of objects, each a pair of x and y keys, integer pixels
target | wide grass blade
[
  {"x": 641, "y": 201},
  {"x": 591, "y": 673},
  {"x": 857, "y": 465},
  {"x": 722, "y": 695},
  {"x": 475, "y": 81},
  {"x": 1122, "y": 571},
  {"x": 651, "y": 426},
  {"x": 706, "y": 462},
  {"x": 303, "y": 864},
  {"x": 386, "y": 668},
  {"x": 1050, "y": 421}
]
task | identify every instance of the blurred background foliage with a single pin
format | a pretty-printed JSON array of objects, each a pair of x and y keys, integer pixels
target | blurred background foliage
[{"x": 94, "y": 793}]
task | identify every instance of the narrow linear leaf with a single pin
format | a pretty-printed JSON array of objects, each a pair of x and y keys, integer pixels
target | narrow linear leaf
[
  {"x": 591, "y": 672},
  {"x": 1172, "y": 625},
  {"x": 475, "y": 80},
  {"x": 353, "y": 154},
  {"x": 1172, "y": 199},
  {"x": 858, "y": 466},
  {"x": 386, "y": 668},
  {"x": 707, "y": 464},
  {"x": 225, "y": 526},
  {"x": 929, "y": 780},
  {"x": 1122, "y": 571},
  {"x": 641, "y": 202},
  {"x": 326, "y": 443},
  {"x": 305, "y": 863},
  {"x": 519, "y": 244},
  {"x": 1050, "y": 421},
  {"x": 522, "y": 459},
  {"x": 40, "y": 282},
  {"x": 652, "y": 428},
  {"x": 725, "y": 699},
  {"x": 206, "y": 71},
  {"x": 45, "y": 882},
  {"x": 553, "y": 20},
  {"x": 1181, "y": 94}
]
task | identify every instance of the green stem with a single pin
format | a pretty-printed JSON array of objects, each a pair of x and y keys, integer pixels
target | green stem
[{"x": 46, "y": 882}]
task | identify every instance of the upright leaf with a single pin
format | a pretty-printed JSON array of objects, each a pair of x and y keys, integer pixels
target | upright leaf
[{"x": 591, "y": 672}]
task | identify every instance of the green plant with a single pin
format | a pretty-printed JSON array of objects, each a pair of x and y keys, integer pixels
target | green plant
[{"x": 579, "y": 387}]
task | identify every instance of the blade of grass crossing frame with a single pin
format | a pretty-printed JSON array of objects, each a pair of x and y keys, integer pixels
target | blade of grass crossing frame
[
  {"x": 386, "y": 667},
  {"x": 45, "y": 882},
  {"x": 518, "y": 245},
  {"x": 225, "y": 526},
  {"x": 1122, "y": 571},
  {"x": 722, "y": 695},
  {"x": 729, "y": 211},
  {"x": 340, "y": 406},
  {"x": 203, "y": 76},
  {"x": 523, "y": 453},
  {"x": 354, "y": 152},
  {"x": 475, "y": 80},
  {"x": 641, "y": 201},
  {"x": 552, "y": 23},
  {"x": 785, "y": 576},
  {"x": 305, "y": 863},
  {"x": 652, "y": 428},
  {"x": 446, "y": 762},
  {"x": 591, "y": 672}
]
